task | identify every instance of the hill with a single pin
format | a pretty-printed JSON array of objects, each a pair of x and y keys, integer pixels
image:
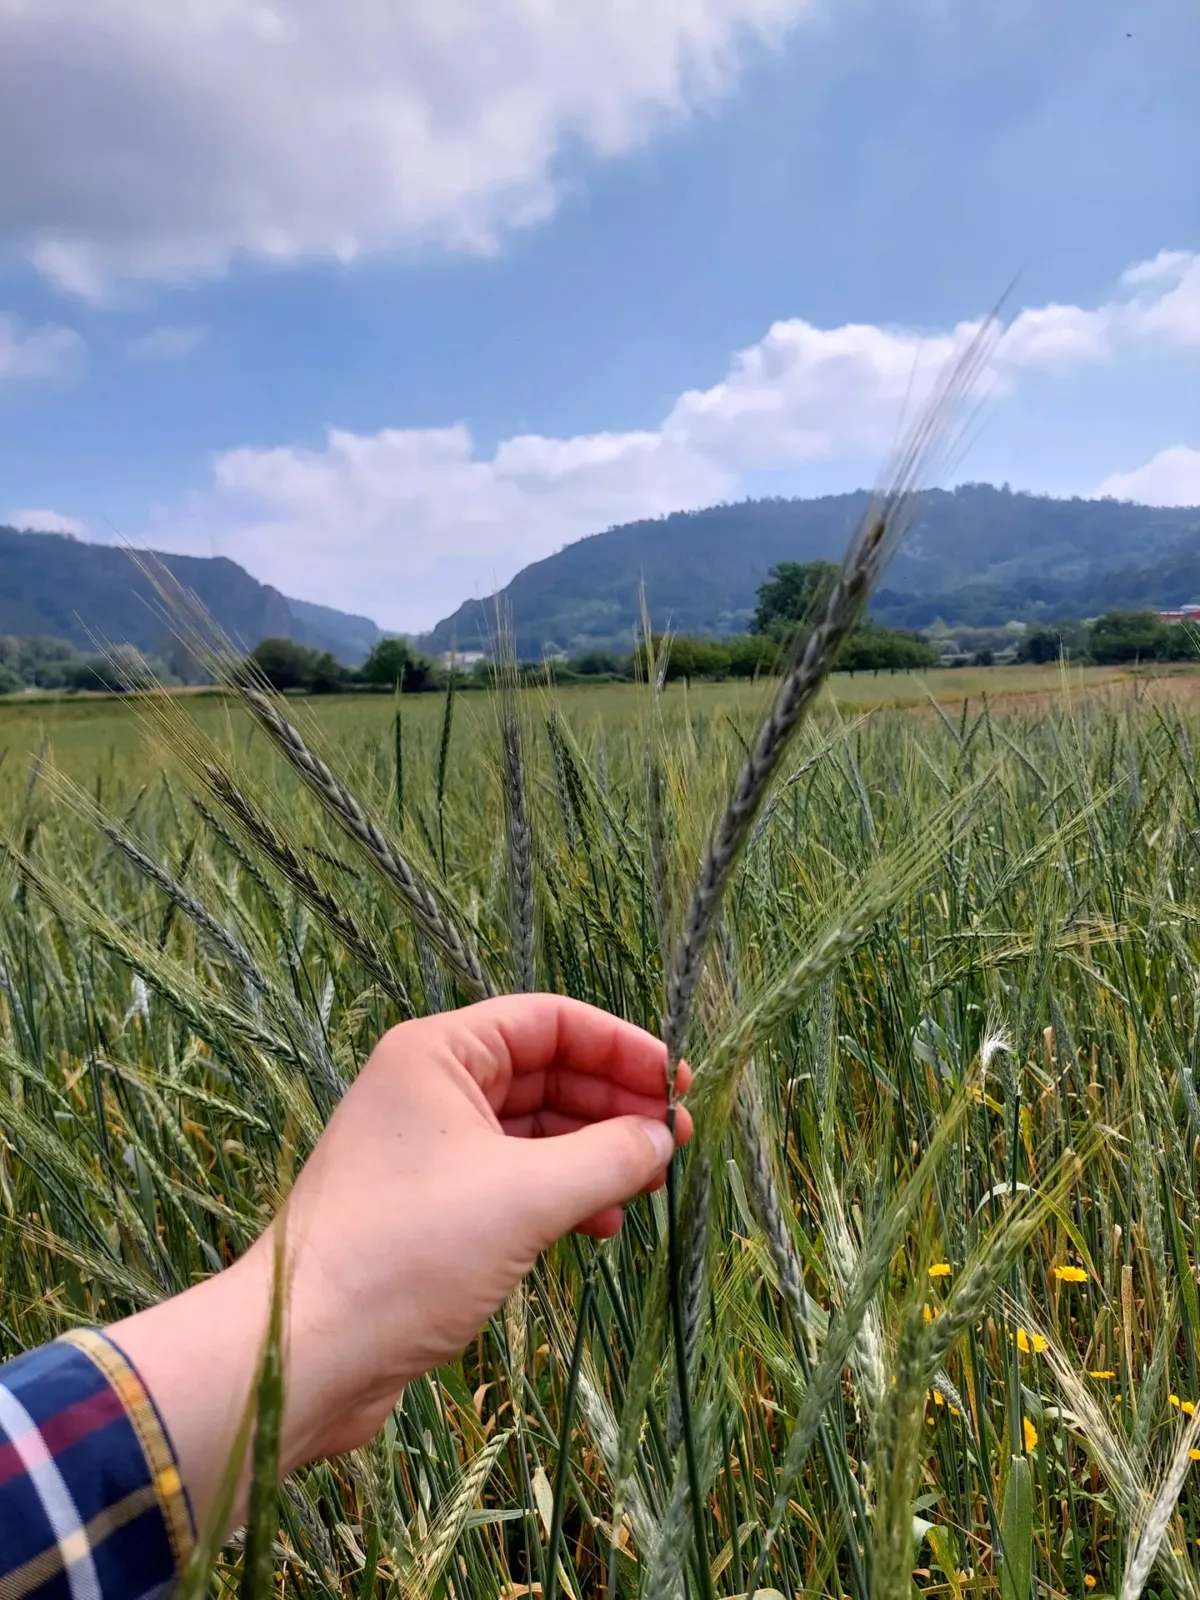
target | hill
[
  {"x": 63, "y": 588},
  {"x": 350, "y": 637},
  {"x": 975, "y": 554}
]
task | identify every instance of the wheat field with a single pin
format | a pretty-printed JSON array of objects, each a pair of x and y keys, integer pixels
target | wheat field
[{"x": 934, "y": 1245}]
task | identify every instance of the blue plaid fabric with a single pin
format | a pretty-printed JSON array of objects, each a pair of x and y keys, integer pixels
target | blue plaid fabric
[{"x": 91, "y": 1502}]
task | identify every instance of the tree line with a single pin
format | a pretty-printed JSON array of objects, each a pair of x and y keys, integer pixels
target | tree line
[
  {"x": 790, "y": 599},
  {"x": 1115, "y": 638}
]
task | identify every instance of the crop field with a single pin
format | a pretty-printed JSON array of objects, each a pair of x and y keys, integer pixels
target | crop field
[
  {"x": 86, "y": 731},
  {"x": 940, "y": 1223}
]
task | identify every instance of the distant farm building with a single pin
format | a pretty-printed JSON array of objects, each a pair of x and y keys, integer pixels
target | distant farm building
[{"x": 1184, "y": 614}]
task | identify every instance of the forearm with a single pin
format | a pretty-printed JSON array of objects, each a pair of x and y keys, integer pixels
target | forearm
[{"x": 198, "y": 1356}]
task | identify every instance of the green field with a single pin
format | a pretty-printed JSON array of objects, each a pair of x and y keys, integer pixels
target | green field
[
  {"x": 89, "y": 732},
  {"x": 959, "y": 958}
]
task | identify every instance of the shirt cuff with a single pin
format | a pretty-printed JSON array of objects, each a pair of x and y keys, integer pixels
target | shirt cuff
[{"x": 91, "y": 1501}]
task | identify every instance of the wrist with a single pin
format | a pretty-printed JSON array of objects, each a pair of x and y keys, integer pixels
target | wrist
[{"x": 197, "y": 1355}]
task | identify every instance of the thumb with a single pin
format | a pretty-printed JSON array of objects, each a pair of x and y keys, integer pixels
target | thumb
[{"x": 575, "y": 1176}]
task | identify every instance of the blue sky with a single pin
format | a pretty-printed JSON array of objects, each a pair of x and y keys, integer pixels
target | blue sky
[{"x": 385, "y": 306}]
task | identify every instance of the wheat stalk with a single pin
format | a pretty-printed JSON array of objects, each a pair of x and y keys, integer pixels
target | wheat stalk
[
  {"x": 889, "y": 514},
  {"x": 300, "y": 875},
  {"x": 520, "y": 848},
  {"x": 693, "y": 1250},
  {"x": 426, "y": 908},
  {"x": 229, "y": 945},
  {"x": 1149, "y": 1540},
  {"x": 759, "y": 1171}
]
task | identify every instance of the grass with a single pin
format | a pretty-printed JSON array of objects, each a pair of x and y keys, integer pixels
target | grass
[
  {"x": 96, "y": 732},
  {"x": 957, "y": 955}
]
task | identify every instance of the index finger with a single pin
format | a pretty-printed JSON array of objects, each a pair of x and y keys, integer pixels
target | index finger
[{"x": 510, "y": 1043}]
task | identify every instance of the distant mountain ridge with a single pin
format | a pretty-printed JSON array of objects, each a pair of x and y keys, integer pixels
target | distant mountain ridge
[
  {"x": 975, "y": 554},
  {"x": 65, "y": 588},
  {"x": 350, "y": 637}
]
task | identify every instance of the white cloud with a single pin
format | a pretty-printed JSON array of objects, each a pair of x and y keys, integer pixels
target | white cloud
[
  {"x": 43, "y": 522},
  {"x": 1171, "y": 478},
  {"x": 404, "y": 524},
  {"x": 805, "y": 392},
  {"x": 166, "y": 140},
  {"x": 166, "y": 343},
  {"x": 37, "y": 353}
]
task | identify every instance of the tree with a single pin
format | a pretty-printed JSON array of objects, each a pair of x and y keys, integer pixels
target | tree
[
  {"x": 690, "y": 657},
  {"x": 394, "y": 661},
  {"x": 1040, "y": 646},
  {"x": 1043, "y": 645},
  {"x": 1128, "y": 636},
  {"x": 284, "y": 663},
  {"x": 328, "y": 675},
  {"x": 597, "y": 663},
  {"x": 751, "y": 654},
  {"x": 794, "y": 591},
  {"x": 121, "y": 670},
  {"x": 874, "y": 648}
]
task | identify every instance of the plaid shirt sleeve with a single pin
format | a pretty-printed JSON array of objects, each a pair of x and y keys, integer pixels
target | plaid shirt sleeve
[{"x": 91, "y": 1502}]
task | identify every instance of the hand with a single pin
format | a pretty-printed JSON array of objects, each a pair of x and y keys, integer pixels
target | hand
[{"x": 415, "y": 1216}]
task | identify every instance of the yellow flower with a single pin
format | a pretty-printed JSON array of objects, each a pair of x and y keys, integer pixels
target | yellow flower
[
  {"x": 1088, "y": 1581},
  {"x": 938, "y": 1399},
  {"x": 1030, "y": 1434},
  {"x": 1102, "y": 1375},
  {"x": 1070, "y": 1274},
  {"x": 1188, "y": 1407},
  {"x": 940, "y": 1269},
  {"x": 1173, "y": 1399},
  {"x": 1194, "y": 1455},
  {"x": 1030, "y": 1342}
]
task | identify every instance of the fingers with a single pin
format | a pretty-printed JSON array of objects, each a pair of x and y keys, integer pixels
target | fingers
[
  {"x": 549, "y": 1040},
  {"x": 585, "y": 1096},
  {"x": 581, "y": 1179},
  {"x": 605, "y": 1224},
  {"x": 547, "y": 1122}
]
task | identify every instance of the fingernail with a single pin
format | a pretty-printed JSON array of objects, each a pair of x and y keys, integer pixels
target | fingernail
[{"x": 661, "y": 1137}]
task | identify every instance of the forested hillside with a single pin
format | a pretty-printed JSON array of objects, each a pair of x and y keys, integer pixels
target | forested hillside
[
  {"x": 54, "y": 586},
  {"x": 975, "y": 554}
]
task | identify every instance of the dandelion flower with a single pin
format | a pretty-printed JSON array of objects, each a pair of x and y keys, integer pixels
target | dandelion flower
[
  {"x": 940, "y": 1269},
  {"x": 1031, "y": 1436},
  {"x": 1070, "y": 1274},
  {"x": 1088, "y": 1581},
  {"x": 1103, "y": 1375},
  {"x": 1030, "y": 1342}
]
